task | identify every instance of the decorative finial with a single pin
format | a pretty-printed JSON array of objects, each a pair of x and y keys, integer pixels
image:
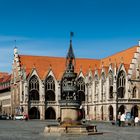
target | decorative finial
[
  {"x": 15, "y": 43},
  {"x": 71, "y": 35}
]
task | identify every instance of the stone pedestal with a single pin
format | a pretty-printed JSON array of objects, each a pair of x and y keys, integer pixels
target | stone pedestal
[{"x": 69, "y": 113}]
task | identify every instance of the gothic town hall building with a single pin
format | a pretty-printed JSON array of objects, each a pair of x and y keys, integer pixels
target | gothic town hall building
[{"x": 105, "y": 86}]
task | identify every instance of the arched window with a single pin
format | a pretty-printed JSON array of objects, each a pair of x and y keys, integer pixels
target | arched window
[
  {"x": 34, "y": 83},
  {"x": 121, "y": 84},
  {"x": 110, "y": 85},
  {"x": 34, "y": 88},
  {"x": 103, "y": 86},
  {"x": 96, "y": 87},
  {"x": 81, "y": 89},
  {"x": 50, "y": 89},
  {"x": 134, "y": 93}
]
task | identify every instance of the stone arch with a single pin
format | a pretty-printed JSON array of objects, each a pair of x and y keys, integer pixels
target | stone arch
[
  {"x": 111, "y": 112},
  {"x": 49, "y": 89},
  {"x": 121, "y": 84},
  {"x": 81, "y": 89},
  {"x": 33, "y": 88},
  {"x": 34, "y": 113},
  {"x": 50, "y": 113},
  {"x": 121, "y": 109},
  {"x": 134, "y": 111},
  {"x": 110, "y": 77}
]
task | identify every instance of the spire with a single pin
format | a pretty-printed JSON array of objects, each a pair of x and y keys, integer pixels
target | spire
[
  {"x": 70, "y": 58},
  {"x": 70, "y": 54}
]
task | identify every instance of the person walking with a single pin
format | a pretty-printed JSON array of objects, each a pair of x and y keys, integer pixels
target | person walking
[
  {"x": 136, "y": 121},
  {"x": 123, "y": 119},
  {"x": 119, "y": 119}
]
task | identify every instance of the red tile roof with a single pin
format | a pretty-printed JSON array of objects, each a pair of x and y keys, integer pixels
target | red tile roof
[
  {"x": 43, "y": 63},
  {"x": 3, "y": 74},
  {"x": 5, "y": 77}
]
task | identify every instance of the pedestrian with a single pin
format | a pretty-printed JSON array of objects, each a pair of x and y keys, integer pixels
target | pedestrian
[
  {"x": 119, "y": 119},
  {"x": 136, "y": 121},
  {"x": 26, "y": 117},
  {"x": 123, "y": 119}
]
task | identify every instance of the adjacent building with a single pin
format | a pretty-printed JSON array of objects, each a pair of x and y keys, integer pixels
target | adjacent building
[
  {"x": 5, "y": 93},
  {"x": 105, "y": 86}
]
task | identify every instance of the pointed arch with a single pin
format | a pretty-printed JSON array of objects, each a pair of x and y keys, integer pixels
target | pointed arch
[
  {"x": 121, "y": 81},
  {"x": 134, "y": 111},
  {"x": 49, "y": 89},
  {"x": 33, "y": 88},
  {"x": 111, "y": 112},
  {"x": 103, "y": 79},
  {"x": 111, "y": 80},
  {"x": 34, "y": 113},
  {"x": 121, "y": 109},
  {"x": 81, "y": 88},
  {"x": 50, "y": 113}
]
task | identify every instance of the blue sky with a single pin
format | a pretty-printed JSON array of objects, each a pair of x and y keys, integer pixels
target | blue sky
[{"x": 41, "y": 27}]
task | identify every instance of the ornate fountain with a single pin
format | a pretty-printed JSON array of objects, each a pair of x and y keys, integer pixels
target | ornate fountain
[{"x": 69, "y": 102}]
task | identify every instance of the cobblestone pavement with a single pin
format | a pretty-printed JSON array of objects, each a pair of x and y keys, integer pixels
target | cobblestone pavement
[{"x": 33, "y": 130}]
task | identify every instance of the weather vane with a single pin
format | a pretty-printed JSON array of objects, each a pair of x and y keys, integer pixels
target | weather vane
[{"x": 71, "y": 35}]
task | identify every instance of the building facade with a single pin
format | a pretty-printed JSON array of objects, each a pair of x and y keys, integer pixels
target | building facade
[
  {"x": 5, "y": 94},
  {"x": 105, "y": 87}
]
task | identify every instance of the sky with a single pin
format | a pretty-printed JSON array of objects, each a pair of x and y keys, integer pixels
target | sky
[{"x": 42, "y": 27}]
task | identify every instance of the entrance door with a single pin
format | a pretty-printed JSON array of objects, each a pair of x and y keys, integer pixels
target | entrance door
[
  {"x": 50, "y": 113},
  {"x": 121, "y": 109},
  {"x": 134, "y": 111},
  {"x": 34, "y": 113}
]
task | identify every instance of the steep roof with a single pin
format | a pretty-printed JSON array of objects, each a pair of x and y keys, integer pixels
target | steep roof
[
  {"x": 2, "y": 74},
  {"x": 5, "y": 77},
  {"x": 43, "y": 63},
  {"x": 125, "y": 56}
]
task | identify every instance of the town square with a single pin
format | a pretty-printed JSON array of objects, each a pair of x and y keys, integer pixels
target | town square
[{"x": 69, "y": 69}]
